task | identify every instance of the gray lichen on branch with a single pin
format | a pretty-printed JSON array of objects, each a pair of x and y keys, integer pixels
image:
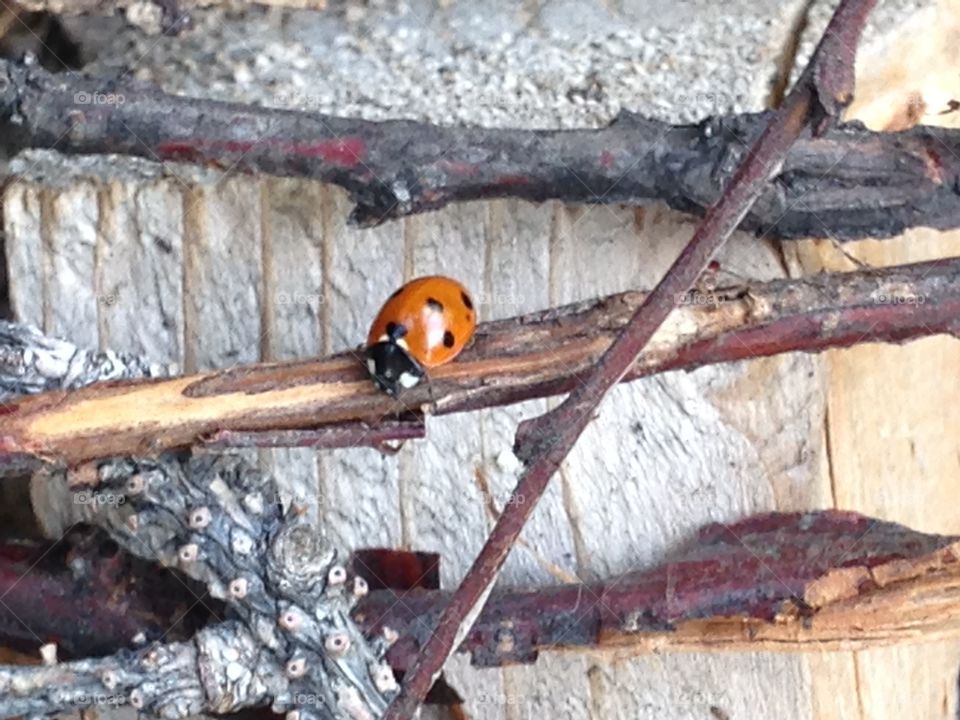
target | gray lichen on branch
[
  {"x": 288, "y": 640},
  {"x": 31, "y": 363}
]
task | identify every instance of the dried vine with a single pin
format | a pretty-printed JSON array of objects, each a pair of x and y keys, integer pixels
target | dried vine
[{"x": 849, "y": 183}]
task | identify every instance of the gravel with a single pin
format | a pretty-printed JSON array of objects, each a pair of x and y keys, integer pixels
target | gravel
[{"x": 568, "y": 63}]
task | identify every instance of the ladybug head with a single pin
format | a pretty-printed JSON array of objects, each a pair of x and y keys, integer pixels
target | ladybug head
[{"x": 391, "y": 366}]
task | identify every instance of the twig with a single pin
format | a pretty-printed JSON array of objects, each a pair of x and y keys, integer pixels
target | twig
[
  {"x": 821, "y": 93},
  {"x": 123, "y": 600},
  {"x": 511, "y": 360},
  {"x": 176, "y": 680},
  {"x": 849, "y": 184},
  {"x": 782, "y": 581},
  {"x": 779, "y": 581}
]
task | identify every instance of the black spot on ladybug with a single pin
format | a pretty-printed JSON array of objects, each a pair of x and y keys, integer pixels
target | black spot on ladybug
[
  {"x": 448, "y": 339},
  {"x": 396, "y": 292},
  {"x": 466, "y": 300},
  {"x": 396, "y": 331},
  {"x": 435, "y": 304}
]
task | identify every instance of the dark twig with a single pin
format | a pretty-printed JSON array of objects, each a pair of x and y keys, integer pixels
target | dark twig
[
  {"x": 789, "y": 581},
  {"x": 849, "y": 184},
  {"x": 821, "y": 93},
  {"x": 510, "y": 361}
]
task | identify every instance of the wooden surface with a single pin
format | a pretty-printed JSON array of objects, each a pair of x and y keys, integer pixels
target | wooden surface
[{"x": 233, "y": 269}]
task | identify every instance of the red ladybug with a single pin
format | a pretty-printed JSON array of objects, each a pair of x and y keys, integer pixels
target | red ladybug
[{"x": 425, "y": 323}]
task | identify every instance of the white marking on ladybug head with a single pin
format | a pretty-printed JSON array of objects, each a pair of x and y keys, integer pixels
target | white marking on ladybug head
[
  {"x": 408, "y": 380},
  {"x": 383, "y": 338},
  {"x": 403, "y": 343},
  {"x": 372, "y": 366}
]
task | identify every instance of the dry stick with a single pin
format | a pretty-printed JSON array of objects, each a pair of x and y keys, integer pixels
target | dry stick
[
  {"x": 768, "y": 581},
  {"x": 849, "y": 184},
  {"x": 824, "y": 89},
  {"x": 329, "y": 402}
]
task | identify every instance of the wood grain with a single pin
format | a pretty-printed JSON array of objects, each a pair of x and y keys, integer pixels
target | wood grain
[{"x": 888, "y": 408}]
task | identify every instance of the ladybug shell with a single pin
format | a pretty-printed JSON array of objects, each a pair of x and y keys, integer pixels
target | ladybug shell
[{"x": 437, "y": 315}]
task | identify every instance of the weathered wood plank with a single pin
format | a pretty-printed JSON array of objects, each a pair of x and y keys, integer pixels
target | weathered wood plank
[
  {"x": 360, "y": 488},
  {"x": 69, "y": 231},
  {"x": 223, "y": 280},
  {"x": 889, "y": 408},
  {"x": 292, "y": 235},
  {"x": 22, "y": 218},
  {"x": 697, "y": 687},
  {"x": 139, "y": 271}
]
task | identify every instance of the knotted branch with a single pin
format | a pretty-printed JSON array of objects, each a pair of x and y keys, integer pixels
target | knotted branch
[{"x": 848, "y": 184}]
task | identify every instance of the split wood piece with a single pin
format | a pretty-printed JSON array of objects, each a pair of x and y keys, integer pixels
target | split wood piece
[{"x": 535, "y": 355}]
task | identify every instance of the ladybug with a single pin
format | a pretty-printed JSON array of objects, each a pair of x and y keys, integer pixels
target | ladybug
[{"x": 425, "y": 323}]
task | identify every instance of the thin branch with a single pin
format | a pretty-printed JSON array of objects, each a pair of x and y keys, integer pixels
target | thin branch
[
  {"x": 824, "y": 89},
  {"x": 848, "y": 184},
  {"x": 779, "y": 581},
  {"x": 122, "y": 600},
  {"x": 783, "y": 581},
  {"x": 512, "y": 360}
]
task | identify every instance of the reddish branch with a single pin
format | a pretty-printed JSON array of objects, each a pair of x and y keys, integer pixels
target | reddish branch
[
  {"x": 824, "y": 89},
  {"x": 511, "y": 360},
  {"x": 788, "y": 581},
  {"x": 92, "y": 599},
  {"x": 848, "y": 184}
]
